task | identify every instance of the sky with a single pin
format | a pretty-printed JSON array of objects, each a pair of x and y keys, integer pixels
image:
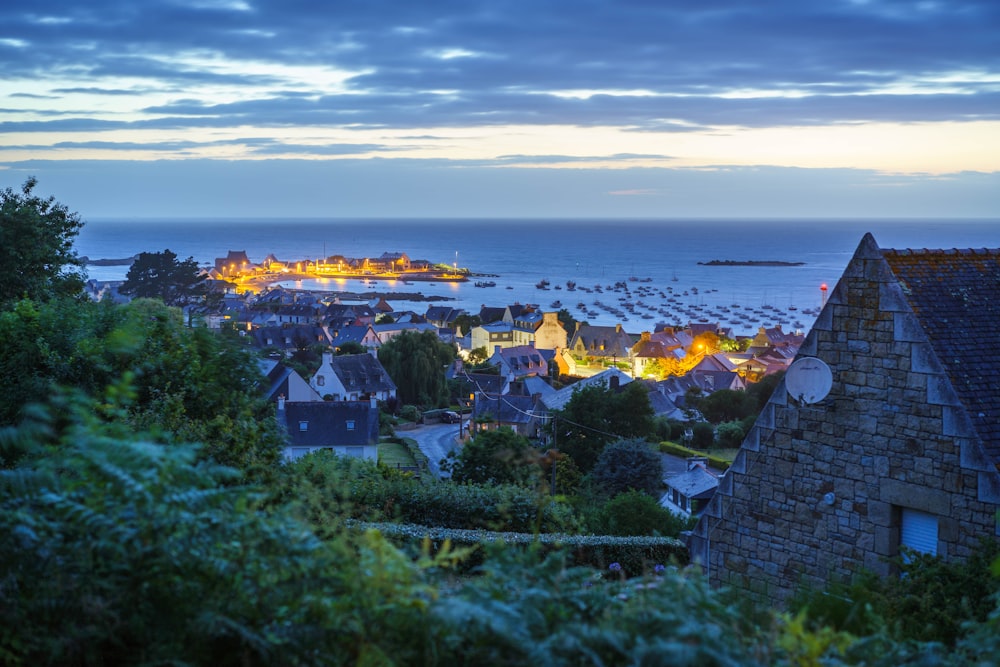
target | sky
[{"x": 504, "y": 108}]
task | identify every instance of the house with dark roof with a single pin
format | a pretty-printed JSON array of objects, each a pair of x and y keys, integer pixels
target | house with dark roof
[
  {"x": 235, "y": 261},
  {"x": 895, "y": 446},
  {"x": 352, "y": 377},
  {"x": 520, "y": 361},
  {"x": 346, "y": 428},
  {"x": 288, "y": 338},
  {"x": 601, "y": 345},
  {"x": 283, "y": 382},
  {"x": 688, "y": 492}
]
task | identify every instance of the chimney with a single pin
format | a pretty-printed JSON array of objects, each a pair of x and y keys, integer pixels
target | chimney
[
  {"x": 374, "y": 402},
  {"x": 618, "y": 328},
  {"x": 496, "y": 349},
  {"x": 328, "y": 358},
  {"x": 281, "y": 402}
]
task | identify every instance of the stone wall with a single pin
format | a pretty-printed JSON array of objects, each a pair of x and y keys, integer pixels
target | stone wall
[{"x": 816, "y": 491}]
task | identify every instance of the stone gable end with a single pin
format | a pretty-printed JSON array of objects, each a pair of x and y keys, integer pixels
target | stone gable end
[{"x": 816, "y": 492}]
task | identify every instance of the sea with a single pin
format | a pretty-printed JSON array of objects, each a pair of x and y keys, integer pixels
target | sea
[{"x": 664, "y": 265}]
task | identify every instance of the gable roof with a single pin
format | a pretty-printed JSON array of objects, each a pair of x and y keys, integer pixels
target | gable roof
[
  {"x": 326, "y": 423},
  {"x": 557, "y": 400},
  {"x": 955, "y": 296},
  {"x": 362, "y": 370}
]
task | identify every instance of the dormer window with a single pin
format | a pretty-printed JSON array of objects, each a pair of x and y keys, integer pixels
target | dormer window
[
  {"x": 350, "y": 424},
  {"x": 303, "y": 426}
]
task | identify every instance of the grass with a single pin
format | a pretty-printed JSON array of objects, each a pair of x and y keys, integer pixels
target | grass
[{"x": 394, "y": 453}]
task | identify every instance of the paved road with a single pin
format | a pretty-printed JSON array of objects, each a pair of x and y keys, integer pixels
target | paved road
[{"x": 435, "y": 441}]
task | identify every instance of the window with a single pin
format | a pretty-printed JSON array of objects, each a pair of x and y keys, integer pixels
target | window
[
  {"x": 303, "y": 426},
  {"x": 918, "y": 531},
  {"x": 320, "y": 380},
  {"x": 358, "y": 452},
  {"x": 350, "y": 424}
]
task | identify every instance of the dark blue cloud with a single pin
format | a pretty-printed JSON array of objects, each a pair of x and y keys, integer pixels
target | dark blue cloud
[{"x": 497, "y": 55}]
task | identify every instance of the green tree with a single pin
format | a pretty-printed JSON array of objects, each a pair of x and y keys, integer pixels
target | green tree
[
  {"x": 730, "y": 434},
  {"x": 495, "y": 457},
  {"x": 637, "y": 513},
  {"x": 416, "y": 363},
  {"x": 727, "y": 405},
  {"x": 596, "y": 415},
  {"x": 37, "y": 259},
  {"x": 160, "y": 275},
  {"x": 350, "y": 347},
  {"x": 702, "y": 436},
  {"x": 466, "y": 323},
  {"x": 628, "y": 464},
  {"x": 183, "y": 384}
]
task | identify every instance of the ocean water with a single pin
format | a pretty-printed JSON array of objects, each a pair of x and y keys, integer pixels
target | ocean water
[{"x": 662, "y": 255}]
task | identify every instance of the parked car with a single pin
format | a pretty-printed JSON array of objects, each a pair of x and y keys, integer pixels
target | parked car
[{"x": 450, "y": 417}]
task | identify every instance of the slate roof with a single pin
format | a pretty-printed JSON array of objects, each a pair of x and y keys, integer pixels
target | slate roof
[
  {"x": 695, "y": 483},
  {"x": 557, "y": 400},
  {"x": 326, "y": 423},
  {"x": 506, "y": 409},
  {"x": 361, "y": 372},
  {"x": 955, "y": 295}
]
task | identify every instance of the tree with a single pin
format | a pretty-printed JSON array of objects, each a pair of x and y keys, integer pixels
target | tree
[
  {"x": 37, "y": 259},
  {"x": 160, "y": 275},
  {"x": 495, "y": 457},
  {"x": 597, "y": 415},
  {"x": 350, "y": 347},
  {"x": 637, "y": 513},
  {"x": 416, "y": 363},
  {"x": 727, "y": 405},
  {"x": 702, "y": 436},
  {"x": 465, "y": 323},
  {"x": 628, "y": 464}
]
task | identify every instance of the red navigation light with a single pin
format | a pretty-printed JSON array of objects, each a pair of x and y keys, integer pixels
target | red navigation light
[{"x": 823, "y": 287}]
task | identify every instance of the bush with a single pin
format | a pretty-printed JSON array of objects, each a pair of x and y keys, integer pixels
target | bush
[
  {"x": 628, "y": 464},
  {"x": 410, "y": 413},
  {"x": 702, "y": 436},
  {"x": 729, "y": 435},
  {"x": 637, "y": 513}
]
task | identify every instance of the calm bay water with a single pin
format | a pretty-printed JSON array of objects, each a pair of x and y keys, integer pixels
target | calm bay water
[{"x": 663, "y": 255}]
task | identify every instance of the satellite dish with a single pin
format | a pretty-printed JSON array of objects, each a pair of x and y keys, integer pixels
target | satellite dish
[{"x": 808, "y": 380}]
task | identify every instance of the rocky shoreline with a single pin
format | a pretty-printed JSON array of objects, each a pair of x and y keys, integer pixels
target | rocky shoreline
[{"x": 749, "y": 262}]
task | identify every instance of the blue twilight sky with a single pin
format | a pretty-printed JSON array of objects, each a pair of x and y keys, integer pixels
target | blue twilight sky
[{"x": 501, "y": 108}]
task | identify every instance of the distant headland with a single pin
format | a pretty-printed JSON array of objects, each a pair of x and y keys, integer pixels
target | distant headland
[{"x": 749, "y": 262}]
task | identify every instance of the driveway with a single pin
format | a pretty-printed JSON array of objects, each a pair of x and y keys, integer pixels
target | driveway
[{"x": 435, "y": 441}]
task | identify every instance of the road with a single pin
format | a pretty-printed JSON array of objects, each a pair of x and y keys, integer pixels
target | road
[{"x": 435, "y": 441}]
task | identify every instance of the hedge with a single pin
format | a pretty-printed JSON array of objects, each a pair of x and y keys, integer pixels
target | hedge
[{"x": 668, "y": 447}]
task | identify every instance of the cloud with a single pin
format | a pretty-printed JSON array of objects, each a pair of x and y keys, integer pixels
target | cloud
[{"x": 487, "y": 61}]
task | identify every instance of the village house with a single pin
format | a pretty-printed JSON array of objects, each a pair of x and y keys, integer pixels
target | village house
[
  {"x": 518, "y": 362},
  {"x": 591, "y": 349},
  {"x": 688, "y": 492},
  {"x": 285, "y": 383},
  {"x": 346, "y": 428},
  {"x": 883, "y": 435},
  {"x": 352, "y": 377}
]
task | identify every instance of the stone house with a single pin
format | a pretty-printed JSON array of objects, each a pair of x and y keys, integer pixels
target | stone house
[
  {"x": 901, "y": 451},
  {"x": 352, "y": 377}
]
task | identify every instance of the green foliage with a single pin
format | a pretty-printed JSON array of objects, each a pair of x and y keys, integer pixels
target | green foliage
[
  {"x": 530, "y": 609},
  {"x": 931, "y": 600},
  {"x": 350, "y": 347},
  {"x": 185, "y": 385},
  {"x": 714, "y": 460},
  {"x": 761, "y": 391},
  {"x": 637, "y": 513},
  {"x": 628, "y": 464},
  {"x": 702, "y": 436},
  {"x": 416, "y": 363},
  {"x": 729, "y": 435},
  {"x": 727, "y": 405},
  {"x": 410, "y": 413},
  {"x": 160, "y": 275},
  {"x": 597, "y": 415},
  {"x": 37, "y": 260},
  {"x": 478, "y": 356},
  {"x": 498, "y": 456},
  {"x": 466, "y": 323}
]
